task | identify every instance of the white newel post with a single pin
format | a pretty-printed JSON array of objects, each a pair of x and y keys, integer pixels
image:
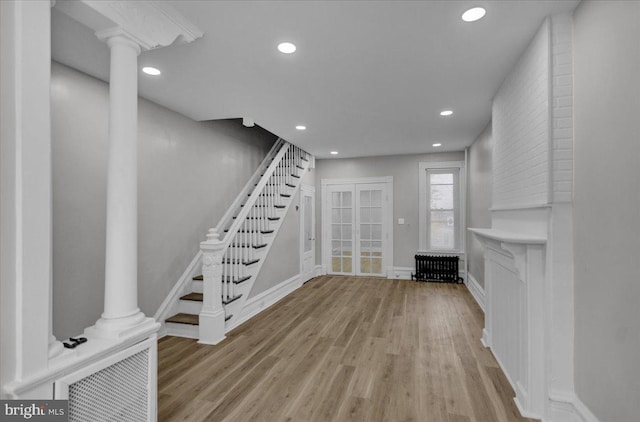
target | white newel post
[{"x": 212, "y": 317}]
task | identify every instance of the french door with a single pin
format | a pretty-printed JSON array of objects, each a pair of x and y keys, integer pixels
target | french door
[{"x": 357, "y": 235}]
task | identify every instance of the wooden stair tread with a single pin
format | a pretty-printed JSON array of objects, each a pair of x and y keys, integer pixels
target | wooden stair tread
[
  {"x": 181, "y": 318},
  {"x": 237, "y": 261},
  {"x": 196, "y": 297},
  {"x": 233, "y": 299},
  {"x": 227, "y": 279}
]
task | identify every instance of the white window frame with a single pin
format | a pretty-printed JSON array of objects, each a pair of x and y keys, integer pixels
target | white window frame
[{"x": 423, "y": 226}]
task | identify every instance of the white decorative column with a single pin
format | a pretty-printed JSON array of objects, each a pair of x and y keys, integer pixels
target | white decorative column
[
  {"x": 212, "y": 317},
  {"x": 128, "y": 27},
  {"x": 121, "y": 260}
]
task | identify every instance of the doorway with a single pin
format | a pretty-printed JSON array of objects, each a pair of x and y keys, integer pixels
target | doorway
[
  {"x": 357, "y": 235},
  {"x": 307, "y": 232}
]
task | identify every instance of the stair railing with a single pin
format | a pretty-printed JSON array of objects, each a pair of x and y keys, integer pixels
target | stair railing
[
  {"x": 248, "y": 187},
  {"x": 218, "y": 276}
]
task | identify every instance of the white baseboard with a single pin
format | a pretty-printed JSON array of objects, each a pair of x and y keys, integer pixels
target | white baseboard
[
  {"x": 401, "y": 273},
  {"x": 318, "y": 270},
  {"x": 256, "y": 304},
  {"x": 567, "y": 407},
  {"x": 476, "y": 290}
]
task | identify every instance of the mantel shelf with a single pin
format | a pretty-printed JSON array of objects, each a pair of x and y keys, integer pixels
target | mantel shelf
[{"x": 508, "y": 236}]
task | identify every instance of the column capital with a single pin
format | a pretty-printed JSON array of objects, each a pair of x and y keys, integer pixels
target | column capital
[
  {"x": 117, "y": 36},
  {"x": 150, "y": 24}
]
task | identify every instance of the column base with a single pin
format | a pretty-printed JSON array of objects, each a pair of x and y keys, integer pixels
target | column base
[
  {"x": 115, "y": 328},
  {"x": 55, "y": 347},
  {"x": 211, "y": 327}
]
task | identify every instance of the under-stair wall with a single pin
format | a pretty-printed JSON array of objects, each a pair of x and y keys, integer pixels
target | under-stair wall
[{"x": 175, "y": 156}]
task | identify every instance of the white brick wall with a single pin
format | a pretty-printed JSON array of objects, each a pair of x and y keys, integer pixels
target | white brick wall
[
  {"x": 562, "y": 108},
  {"x": 521, "y": 154}
]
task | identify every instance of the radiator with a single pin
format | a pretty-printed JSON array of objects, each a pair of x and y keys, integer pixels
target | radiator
[
  {"x": 437, "y": 268},
  {"x": 119, "y": 388}
]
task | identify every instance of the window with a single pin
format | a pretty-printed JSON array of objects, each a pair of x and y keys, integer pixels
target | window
[{"x": 441, "y": 194}]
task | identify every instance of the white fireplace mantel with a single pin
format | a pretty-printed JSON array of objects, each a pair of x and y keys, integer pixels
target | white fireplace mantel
[{"x": 515, "y": 317}]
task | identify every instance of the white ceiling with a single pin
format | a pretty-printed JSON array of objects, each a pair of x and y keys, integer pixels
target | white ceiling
[{"x": 368, "y": 78}]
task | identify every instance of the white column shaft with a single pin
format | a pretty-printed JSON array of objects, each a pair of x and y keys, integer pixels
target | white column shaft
[{"x": 121, "y": 260}]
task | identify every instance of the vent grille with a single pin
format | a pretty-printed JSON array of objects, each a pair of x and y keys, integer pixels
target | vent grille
[{"x": 119, "y": 392}]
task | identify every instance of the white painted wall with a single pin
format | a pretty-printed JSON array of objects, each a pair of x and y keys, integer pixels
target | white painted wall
[
  {"x": 283, "y": 261},
  {"x": 520, "y": 118},
  {"x": 607, "y": 207},
  {"x": 404, "y": 169},
  {"x": 188, "y": 174},
  {"x": 480, "y": 175}
]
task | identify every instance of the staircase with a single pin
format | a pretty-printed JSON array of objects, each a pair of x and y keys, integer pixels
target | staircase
[{"x": 231, "y": 258}]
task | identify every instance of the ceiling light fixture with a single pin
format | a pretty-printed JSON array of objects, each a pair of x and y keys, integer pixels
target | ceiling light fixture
[
  {"x": 151, "y": 71},
  {"x": 437, "y": 145},
  {"x": 286, "y": 47},
  {"x": 301, "y": 127},
  {"x": 446, "y": 113},
  {"x": 474, "y": 14},
  {"x": 334, "y": 153}
]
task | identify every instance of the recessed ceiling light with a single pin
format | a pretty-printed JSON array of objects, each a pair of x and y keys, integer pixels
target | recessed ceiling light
[
  {"x": 446, "y": 112},
  {"x": 437, "y": 145},
  {"x": 151, "y": 71},
  {"x": 334, "y": 153},
  {"x": 286, "y": 47},
  {"x": 474, "y": 14},
  {"x": 301, "y": 127}
]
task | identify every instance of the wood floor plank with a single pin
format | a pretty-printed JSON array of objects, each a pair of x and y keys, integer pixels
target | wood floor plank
[{"x": 343, "y": 349}]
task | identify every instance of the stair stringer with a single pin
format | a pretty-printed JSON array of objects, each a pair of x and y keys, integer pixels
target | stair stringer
[{"x": 245, "y": 288}]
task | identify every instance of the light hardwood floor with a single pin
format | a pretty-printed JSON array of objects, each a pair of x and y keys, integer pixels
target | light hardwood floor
[{"x": 343, "y": 349}]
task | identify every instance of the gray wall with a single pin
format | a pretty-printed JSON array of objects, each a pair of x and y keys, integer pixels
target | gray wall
[
  {"x": 607, "y": 208},
  {"x": 404, "y": 169},
  {"x": 189, "y": 172},
  {"x": 283, "y": 261},
  {"x": 479, "y": 188}
]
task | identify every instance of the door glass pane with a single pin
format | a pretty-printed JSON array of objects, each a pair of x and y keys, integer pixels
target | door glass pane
[
  {"x": 346, "y": 215},
  {"x": 365, "y": 231},
  {"x": 442, "y": 230},
  {"x": 365, "y": 198},
  {"x": 376, "y": 232},
  {"x": 346, "y": 199},
  {"x": 365, "y": 214},
  {"x": 335, "y": 199},
  {"x": 335, "y": 215},
  {"x": 336, "y": 264},
  {"x": 335, "y": 231},
  {"x": 347, "y": 248},
  {"x": 376, "y": 198},
  {"x": 365, "y": 248},
  {"x": 336, "y": 249},
  {"x": 376, "y": 266},
  {"x": 346, "y": 231},
  {"x": 346, "y": 265},
  {"x": 376, "y": 215},
  {"x": 365, "y": 266}
]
